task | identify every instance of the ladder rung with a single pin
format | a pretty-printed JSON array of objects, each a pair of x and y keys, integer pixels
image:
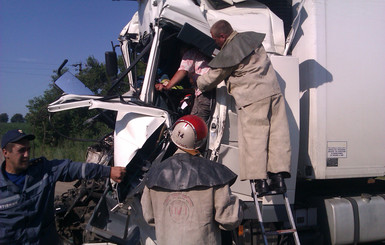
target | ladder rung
[
  {"x": 272, "y": 193},
  {"x": 280, "y": 232},
  {"x": 292, "y": 230}
]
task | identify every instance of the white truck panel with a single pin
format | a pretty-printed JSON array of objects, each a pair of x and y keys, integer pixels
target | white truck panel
[{"x": 342, "y": 81}]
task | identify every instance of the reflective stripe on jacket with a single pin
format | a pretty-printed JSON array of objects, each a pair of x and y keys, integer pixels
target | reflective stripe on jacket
[{"x": 27, "y": 214}]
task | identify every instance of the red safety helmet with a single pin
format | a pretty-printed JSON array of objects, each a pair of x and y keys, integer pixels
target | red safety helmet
[{"x": 189, "y": 132}]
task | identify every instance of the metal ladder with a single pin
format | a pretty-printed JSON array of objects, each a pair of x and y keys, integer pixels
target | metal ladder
[{"x": 292, "y": 230}]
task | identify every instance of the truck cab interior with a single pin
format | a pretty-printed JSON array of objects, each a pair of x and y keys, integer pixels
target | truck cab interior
[{"x": 174, "y": 40}]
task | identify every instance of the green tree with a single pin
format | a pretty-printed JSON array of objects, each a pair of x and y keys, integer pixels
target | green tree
[
  {"x": 4, "y": 117},
  {"x": 38, "y": 115},
  {"x": 94, "y": 76},
  {"x": 49, "y": 128},
  {"x": 17, "y": 118}
]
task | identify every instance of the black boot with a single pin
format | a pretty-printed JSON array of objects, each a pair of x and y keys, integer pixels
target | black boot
[
  {"x": 261, "y": 187},
  {"x": 277, "y": 183}
]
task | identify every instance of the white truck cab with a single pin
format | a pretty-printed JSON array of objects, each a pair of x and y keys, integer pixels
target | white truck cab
[{"x": 330, "y": 67}]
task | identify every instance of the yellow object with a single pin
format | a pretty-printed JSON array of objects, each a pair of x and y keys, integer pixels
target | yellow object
[{"x": 166, "y": 81}]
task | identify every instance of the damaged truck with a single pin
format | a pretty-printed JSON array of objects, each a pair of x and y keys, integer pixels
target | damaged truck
[{"x": 329, "y": 58}]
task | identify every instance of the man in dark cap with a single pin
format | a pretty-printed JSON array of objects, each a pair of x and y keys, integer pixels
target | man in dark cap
[{"x": 27, "y": 190}]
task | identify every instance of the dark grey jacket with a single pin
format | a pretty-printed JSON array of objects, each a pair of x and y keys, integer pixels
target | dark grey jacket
[{"x": 27, "y": 215}]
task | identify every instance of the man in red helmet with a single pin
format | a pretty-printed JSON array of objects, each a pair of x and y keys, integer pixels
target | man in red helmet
[{"x": 188, "y": 197}]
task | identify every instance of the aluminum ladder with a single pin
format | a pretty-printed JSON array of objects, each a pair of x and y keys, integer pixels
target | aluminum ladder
[{"x": 265, "y": 234}]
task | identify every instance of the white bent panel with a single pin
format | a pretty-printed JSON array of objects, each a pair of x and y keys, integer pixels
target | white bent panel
[{"x": 131, "y": 132}]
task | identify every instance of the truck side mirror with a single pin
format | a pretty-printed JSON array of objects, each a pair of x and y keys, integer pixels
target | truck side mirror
[{"x": 111, "y": 64}]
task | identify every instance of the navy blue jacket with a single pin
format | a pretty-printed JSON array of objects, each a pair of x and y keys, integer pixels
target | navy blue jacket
[{"x": 27, "y": 215}]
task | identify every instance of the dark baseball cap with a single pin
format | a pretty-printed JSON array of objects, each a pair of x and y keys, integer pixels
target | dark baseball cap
[{"x": 15, "y": 135}]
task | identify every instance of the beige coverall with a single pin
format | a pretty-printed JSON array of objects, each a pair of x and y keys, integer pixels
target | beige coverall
[
  {"x": 194, "y": 202},
  {"x": 191, "y": 217},
  {"x": 263, "y": 133}
]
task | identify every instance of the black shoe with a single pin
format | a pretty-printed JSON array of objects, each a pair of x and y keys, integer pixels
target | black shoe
[
  {"x": 277, "y": 183},
  {"x": 261, "y": 187}
]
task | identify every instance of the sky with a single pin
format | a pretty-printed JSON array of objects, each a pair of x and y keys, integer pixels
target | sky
[{"x": 36, "y": 36}]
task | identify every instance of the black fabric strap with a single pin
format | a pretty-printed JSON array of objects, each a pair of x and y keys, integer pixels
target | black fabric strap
[{"x": 356, "y": 219}]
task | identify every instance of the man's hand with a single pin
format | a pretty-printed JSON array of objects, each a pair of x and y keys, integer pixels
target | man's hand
[
  {"x": 159, "y": 86},
  {"x": 117, "y": 174}
]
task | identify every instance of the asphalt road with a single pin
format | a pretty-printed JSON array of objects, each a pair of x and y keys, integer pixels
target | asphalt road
[{"x": 62, "y": 187}]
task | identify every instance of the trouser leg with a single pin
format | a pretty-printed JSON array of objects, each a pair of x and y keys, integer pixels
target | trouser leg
[
  {"x": 253, "y": 134},
  {"x": 279, "y": 150},
  {"x": 202, "y": 105}
]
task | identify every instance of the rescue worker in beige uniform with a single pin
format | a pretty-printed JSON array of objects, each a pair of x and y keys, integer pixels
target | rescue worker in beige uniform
[
  {"x": 188, "y": 197},
  {"x": 263, "y": 136}
]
